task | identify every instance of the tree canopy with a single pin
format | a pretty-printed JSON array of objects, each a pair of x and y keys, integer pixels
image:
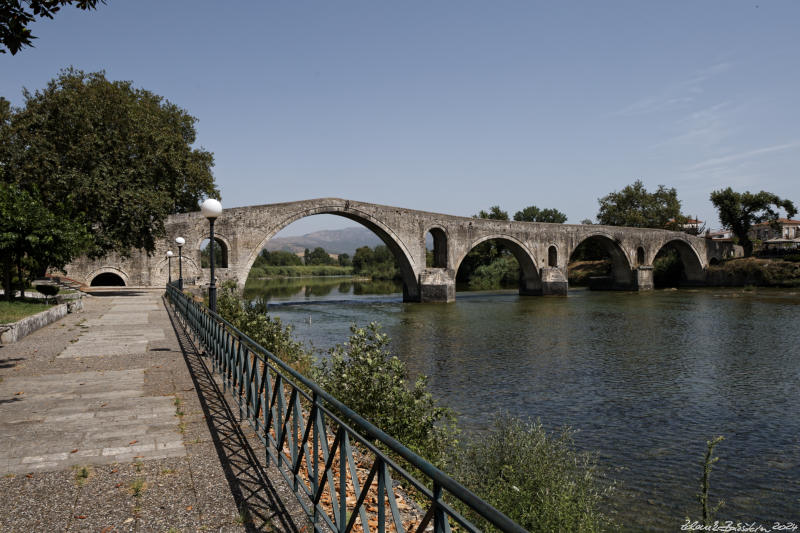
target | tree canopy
[
  {"x": 739, "y": 211},
  {"x": 32, "y": 238},
  {"x": 634, "y": 207},
  {"x": 534, "y": 214},
  {"x": 494, "y": 213},
  {"x": 115, "y": 159},
  {"x": 17, "y": 15}
]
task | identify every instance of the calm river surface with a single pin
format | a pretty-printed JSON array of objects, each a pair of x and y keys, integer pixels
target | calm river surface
[{"x": 645, "y": 379}]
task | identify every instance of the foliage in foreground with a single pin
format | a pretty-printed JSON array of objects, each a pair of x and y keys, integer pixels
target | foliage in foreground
[
  {"x": 269, "y": 332},
  {"x": 16, "y": 16},
  {"x": 364, "y": 375},
  {"x": 535, "y": 478}
]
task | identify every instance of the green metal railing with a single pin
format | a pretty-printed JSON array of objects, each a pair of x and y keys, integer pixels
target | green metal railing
[{"x": 326, "y": 452}]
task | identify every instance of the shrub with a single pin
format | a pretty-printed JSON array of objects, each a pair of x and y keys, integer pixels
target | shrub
[
  {"x": 269, "y": 332},
  {"x": 364, "y": 375},
  {"x": 537, "y": 479},
  {"x": 47, "y": 290},
  {"x": 501, "y": 272}
]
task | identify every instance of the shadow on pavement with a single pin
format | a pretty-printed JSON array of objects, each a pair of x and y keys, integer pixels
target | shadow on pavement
[{"x": 250, "y": 485}]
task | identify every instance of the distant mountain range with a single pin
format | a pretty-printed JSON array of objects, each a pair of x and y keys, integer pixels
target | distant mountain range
[{"x": 340, "y": 241}]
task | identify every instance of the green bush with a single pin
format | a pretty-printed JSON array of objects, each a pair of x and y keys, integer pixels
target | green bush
[
  {"x": 47, "y": 290},
  {"x": 501, "y": 272},
  {"x": 364, "y": 376},
  {"x": 269, "y": 332},
  {"x": 536, "y": 479}
]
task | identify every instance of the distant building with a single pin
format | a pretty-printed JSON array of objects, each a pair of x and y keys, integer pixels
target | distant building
[
  {"x": 787, "y": 229},
  {"x": 720, "y": 235},
  {"x": 690, "y": 225}
]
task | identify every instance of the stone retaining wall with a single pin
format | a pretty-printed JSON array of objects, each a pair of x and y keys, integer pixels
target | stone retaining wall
[{"x": 13, "y": 332}]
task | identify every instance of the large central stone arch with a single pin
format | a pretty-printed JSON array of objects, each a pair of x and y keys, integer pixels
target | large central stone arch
[{"x": 398, "y": 248}]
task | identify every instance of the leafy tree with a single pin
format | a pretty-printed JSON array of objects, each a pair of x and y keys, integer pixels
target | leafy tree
[
  {"x": 32, "y": 238},
  {"x": 494, "y": 213},
  {"x": 362, "y": 259},
  {"x": 379, "y": 263},
  {"x": 739, "y": 211},
  {"x": 205, "y": 255},
  {"x": 319, "y": 257},
  {"x": 534, "y": 214},
  {"x": 115, "y": 159},
  {"x": 633, "y": 206},
  {"x": 277, "y": 258},
  {"x": 16, "y": 15},
  {"x": 587, "y": 221},
  {"x": 344, "y": 260},
  {"x": 484, "y": 253}
]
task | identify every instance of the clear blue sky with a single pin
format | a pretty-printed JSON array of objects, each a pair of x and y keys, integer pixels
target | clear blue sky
[{"x": 456, "y": 106}]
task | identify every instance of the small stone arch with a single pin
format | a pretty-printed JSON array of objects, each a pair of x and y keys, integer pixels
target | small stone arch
[
  {"x": 693, "y": 268},
  {"x": 398, "y": 248},
  {"x": 622, "y": 277},
  {"x": 552, "y": 256},
  {"x": 440, "y": 249},
  {"x": 224, "y": 246},
  {"x": 108, "y": 276},
  {"x": 640, "y": 256},
  {"x": 530, "y": 279}
]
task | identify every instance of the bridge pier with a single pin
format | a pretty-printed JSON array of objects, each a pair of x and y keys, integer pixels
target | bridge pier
[
  {"x": 554, "y": 282},
  {"x": 437, "y": 285},
  {"x": 644, "y": 278}
]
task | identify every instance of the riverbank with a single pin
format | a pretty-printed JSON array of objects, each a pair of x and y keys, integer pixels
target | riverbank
[{"x": 754, "y": 271}]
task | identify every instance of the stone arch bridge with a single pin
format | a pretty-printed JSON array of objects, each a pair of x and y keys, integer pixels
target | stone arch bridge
[{"x": 543, "y": 250}]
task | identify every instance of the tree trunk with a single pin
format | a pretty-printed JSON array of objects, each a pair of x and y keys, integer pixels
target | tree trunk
[
  {"x": 747, "y": 244},
  {"x": 7, "y": 288}
]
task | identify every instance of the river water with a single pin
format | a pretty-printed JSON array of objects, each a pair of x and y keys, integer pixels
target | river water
[{"x": 644, "y": 378}]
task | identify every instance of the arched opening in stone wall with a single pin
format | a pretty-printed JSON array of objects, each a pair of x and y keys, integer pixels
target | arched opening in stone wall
[
  {"x": 320, "y": 255},
  {"x": 599, "y": 263},
  {"x": 639, "y": 256},
  {"x": 498, "y": 263},
  {"x": 552, "y": 256},
  {"x": 676, "y": 264},
  {"x": 220, "y": 254},
  {"x": 436, "y": 248},
  {"x": 107, "y": 279}
]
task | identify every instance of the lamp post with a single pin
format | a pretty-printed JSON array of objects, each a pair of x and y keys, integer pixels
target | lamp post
[
  {"x": 211, "y": 209},
  {"x": 180, "y": 241},
  {"x": 169, "y": 266}
]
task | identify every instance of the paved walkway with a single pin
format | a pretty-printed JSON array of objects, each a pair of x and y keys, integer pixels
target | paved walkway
[{"x": 110, "y": 421}]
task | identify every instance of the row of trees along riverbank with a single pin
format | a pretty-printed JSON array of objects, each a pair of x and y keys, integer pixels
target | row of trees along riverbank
[{"x": 376, "y": 263}]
